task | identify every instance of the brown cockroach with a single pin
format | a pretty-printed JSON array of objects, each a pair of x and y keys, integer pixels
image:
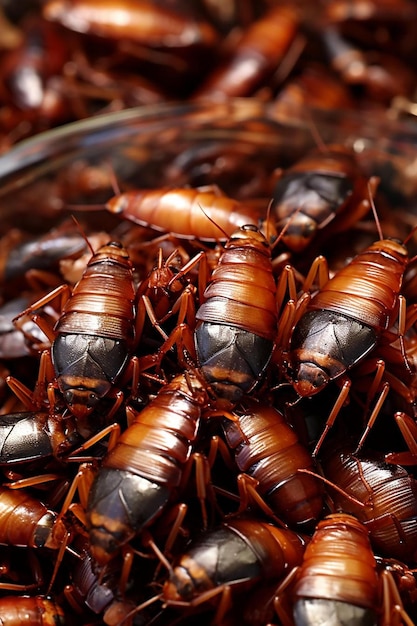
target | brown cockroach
[
  {"x": 25, "y": 521},
  {"x": 230, "y": 559},
  {"x": 202, "y": 213},
  {"x": 145, "y": 22},
  {"x": 237, "y": 322},
  {"x": 143, "y": 470},
  {"x": 268, "y": 449},
  {"x": 263, "y": 46},
  {"x": 167, "y": 290},
  {"x": 349, "y": 316},
  {"x": 338, "y": 575},
  {"x": 31, "y": 610},
  {"x": 388, "y": 494},
  {"x": 329, "y": 186},
  {"x": 93, "y": 339}
]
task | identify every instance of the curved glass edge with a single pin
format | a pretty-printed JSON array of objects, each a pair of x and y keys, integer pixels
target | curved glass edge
[{"x": 46, "y": 152}]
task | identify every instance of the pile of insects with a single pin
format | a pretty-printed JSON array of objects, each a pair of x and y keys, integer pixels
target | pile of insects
[
  {"x": 64, "y": 61},
  {"x": 209, "y": 398},
  {"x": 208, "y": 331}
]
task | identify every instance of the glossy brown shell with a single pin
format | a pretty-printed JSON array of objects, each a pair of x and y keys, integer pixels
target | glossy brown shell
[
  {"x": 186, "y": 213},
  {"x": 390, "y": 497},
  {"x": 339, "y": 564},
  {"x": 260, "y": 50},
  {"x": 31, "y": 611},
  {"x": 239, "y": 553},
  {"x": 267, "y": 448},
  {"x": 142, "y": 22},
  {"x": 142, "y": 472},
  {"x": 25, "y": 521},
  {"x": 158, "y": 443},
  {"x": 102, "y": 302},
  {"x": 367, "y": 288},
  {"x": 242, "y": 288},
  {"x": 315, "y": 190}
]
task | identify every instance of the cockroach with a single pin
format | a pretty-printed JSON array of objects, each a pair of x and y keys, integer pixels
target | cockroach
[
  {"x": 338, "y": 575},
  {"x": 31, "y": 610},
  {"x": 237, "y": 321},
  {"x": 348, "y": 317},
  {"x": 142, "y": 472},
  {"x": 26, "y": 521},
  {"x": 144, "y": 22},
  {"x": 34, "y": 436},
  {"x": 233, "y": 558},
  {"x": 267, "y": 448},
  {"x": 263, "y": 46},
  {"x": 389, "y": 496},
  {"x": 93, "y": 339},
  {"x": 201, "y": 213},
  {"x": 167, "y": 291},
  {"x": 328, "y": 185}
]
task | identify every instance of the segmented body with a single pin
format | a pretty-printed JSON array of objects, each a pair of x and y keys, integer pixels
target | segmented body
[
  {"x": 267, "y": 448},
  {"x": 95, "y": 333},
  {"x": 245, "y": 552},
  {"x": 389, "y": 494},
  {"x": 338, "y": 575},
  {"x": 205, "y": 214},
  {"x": 237, "y": 322},
  {"x": 346, "y": 319},
  {"x": 316, "y": 190},
  {"x": 25, "y": 521},
  {"x": 144, "y": 469}
]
